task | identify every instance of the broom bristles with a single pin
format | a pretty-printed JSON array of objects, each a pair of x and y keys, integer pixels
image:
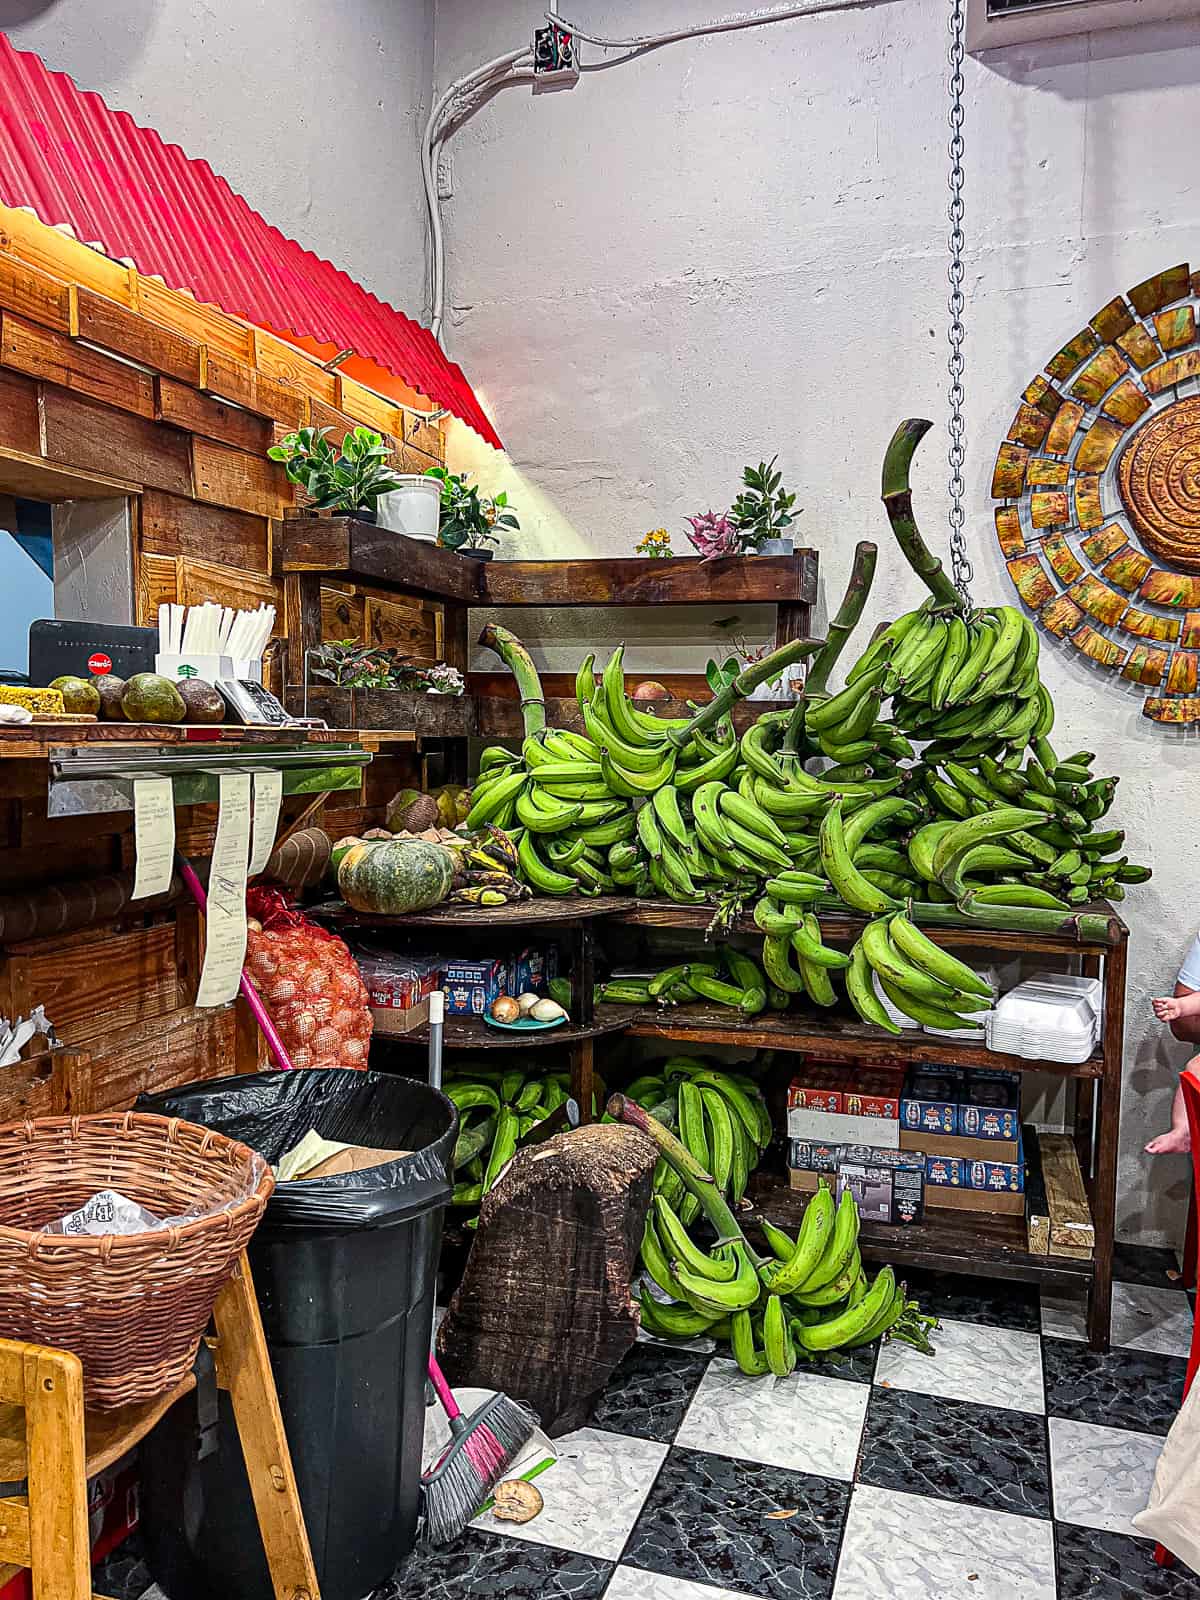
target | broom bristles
[{"x": 475, "y": 1461}]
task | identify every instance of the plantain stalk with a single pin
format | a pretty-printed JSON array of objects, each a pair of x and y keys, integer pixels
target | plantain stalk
[
  {"x": 897, "y": 500},
  {"x": 862, "y": 575},
  {"x": 744, "y": 684},
  {"x": 1089, "y": 927},
  {"x": 520, "y": 663},
  {"x": 697, "y": 1182}
]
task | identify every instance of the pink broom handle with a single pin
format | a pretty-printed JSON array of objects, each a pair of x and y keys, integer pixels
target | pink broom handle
[
  {"x": 274, "y": 1043},
  {"x": 449, "y": 1404}
]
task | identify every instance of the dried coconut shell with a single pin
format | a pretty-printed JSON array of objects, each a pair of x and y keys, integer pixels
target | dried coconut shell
[{"x": 516, "y": 1501}]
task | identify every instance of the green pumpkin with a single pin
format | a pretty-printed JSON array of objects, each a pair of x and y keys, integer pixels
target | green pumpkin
[{"x": 392, "y": 878}]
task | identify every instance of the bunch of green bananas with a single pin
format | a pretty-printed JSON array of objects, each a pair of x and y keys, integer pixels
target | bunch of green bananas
[
  {"x": 811, "y": 1299},
  {"x": 966, "y": 681},
  {"x": 924, "y": 981},
  {"x": 739, "y": 983},
  {"x": 721, "y": 1118},
  {"x": 496, "y": 1107}
]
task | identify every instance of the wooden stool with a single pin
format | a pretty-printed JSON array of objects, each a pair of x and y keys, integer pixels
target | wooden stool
[{"x": 49, "y": 1442}]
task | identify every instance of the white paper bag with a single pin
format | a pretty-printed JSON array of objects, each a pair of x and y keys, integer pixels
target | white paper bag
[{"x": 1173, "y": 1515}]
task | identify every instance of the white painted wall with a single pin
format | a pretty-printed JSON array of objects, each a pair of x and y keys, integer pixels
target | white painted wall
[
  {"x": 312, "y": 110},
  {"x": 735, "y": 246}
]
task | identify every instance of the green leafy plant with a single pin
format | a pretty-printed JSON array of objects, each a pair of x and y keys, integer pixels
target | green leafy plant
[
  {"x": 349, "y": 664},
  {"x": 348, "y": 480},
  {"x": 764, "y": 509},
  {"x": 467, "y": 517}
]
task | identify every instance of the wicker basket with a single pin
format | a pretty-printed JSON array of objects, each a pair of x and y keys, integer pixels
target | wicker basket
[{"x": 133, "y": 1307}]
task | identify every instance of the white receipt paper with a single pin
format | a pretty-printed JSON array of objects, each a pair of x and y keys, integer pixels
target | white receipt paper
[
  {"x": 268, "y": 792},
  {"x": 153, "y": 836},
  {"x": 225, "y": 919}
]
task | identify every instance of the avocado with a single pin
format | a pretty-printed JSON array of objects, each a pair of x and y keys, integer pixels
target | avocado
[
  {"x": 203, "y": 702},
  {"x": 79, "y": 695},
  {"x": 148, "y": 697},
  {"x": 110, "y": 690}
]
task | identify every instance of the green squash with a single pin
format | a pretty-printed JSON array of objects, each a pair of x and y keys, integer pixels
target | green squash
[{"x": 390, "y": 879}]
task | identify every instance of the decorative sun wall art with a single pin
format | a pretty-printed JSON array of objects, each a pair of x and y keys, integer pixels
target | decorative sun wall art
[{"x": 1099, "y": 483}]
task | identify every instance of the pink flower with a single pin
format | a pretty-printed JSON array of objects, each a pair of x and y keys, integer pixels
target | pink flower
[{"x": 714, "y": 535}]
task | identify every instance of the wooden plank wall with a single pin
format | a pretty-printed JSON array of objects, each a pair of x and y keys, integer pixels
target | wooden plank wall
[{"x": 111, "y": 383}]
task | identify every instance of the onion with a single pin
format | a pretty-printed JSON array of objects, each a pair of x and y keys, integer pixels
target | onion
[
  {"x": 505, "y": 1009},
  {"x": 651, "y": 689},
  {"x": 546, "y": 1011},
  {"x": 526, "y": 1003}
]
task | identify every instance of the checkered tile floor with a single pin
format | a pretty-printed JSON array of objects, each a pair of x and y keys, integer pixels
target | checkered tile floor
[{"x": 1007, "y": 1468}]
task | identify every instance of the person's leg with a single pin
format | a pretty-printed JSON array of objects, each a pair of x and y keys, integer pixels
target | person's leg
[{"x": 1178, "y": 1139}]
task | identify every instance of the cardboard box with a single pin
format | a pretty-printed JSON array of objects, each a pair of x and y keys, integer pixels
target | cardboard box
[
  {"x": 396, "y": 981},
  {"x": 944, "y": 1172},
  {"x": 931, "y": 1097},
  {"x": 813, "y": 1155},
  {"x": 990, "y": 1107},
  {"x": 394, "y": 1020},
  {"x": 887, "y": 1184},
  {"x": 1002, "y": 1177},
  {"x": 874, "y": 1094},
  {"x": 817, "y": 1087},
  {"x": 826, "y": 1127},
  {"x": 471, "y": 986},
  {"x": 985, "y": 1202},
  {"x": 944, "y": 1144},
  {"x": 800, "y": 1179},
  {"x": 354, "y": 1158}
]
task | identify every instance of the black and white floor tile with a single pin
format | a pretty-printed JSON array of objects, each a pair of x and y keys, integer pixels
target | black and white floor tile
[{"x": 1007, "y": 1468}]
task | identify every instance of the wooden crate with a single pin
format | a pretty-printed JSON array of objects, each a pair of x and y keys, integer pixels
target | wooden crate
[{"x": 187, "y": 1045}]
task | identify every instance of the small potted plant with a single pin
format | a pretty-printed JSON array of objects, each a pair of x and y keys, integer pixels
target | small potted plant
[
  {"x": 350, "y": 480},
  {"x": 467, "y": 517},
  {"x": 763, "y": 510}
]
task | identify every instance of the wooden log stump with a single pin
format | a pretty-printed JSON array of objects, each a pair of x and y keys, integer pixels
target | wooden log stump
[{"x": 543, "y": 1311}]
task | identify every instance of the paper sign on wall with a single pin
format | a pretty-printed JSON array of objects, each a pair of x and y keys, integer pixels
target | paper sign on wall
[
  {"x": 153, "y": 836},
  {"x": 268, "y": 792},
  {"x": 225, "y": 926}
]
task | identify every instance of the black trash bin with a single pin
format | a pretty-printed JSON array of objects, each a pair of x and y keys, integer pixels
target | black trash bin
[{"x": 345, "y": 1269}]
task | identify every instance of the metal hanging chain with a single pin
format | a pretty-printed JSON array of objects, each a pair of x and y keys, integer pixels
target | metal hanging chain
[{"x": 960, "y": 564}]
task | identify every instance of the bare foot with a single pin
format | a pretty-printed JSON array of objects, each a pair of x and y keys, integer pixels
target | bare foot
[{"x": 1176, "y": 1142}]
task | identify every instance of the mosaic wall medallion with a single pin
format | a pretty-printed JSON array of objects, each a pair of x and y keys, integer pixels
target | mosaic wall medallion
[{"x": 1099, "y": 483}]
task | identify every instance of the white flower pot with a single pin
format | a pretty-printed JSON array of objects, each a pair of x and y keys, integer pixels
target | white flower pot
[{"x": 413, "y": 508}]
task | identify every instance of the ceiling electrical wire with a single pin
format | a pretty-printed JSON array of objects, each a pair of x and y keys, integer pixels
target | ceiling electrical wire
[
  {"x": 696, "y": 30},
  {"x": 466, "y": 94}
]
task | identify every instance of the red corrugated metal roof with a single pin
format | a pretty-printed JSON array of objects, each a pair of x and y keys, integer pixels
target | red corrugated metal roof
[{"x": 70, "y": 159}]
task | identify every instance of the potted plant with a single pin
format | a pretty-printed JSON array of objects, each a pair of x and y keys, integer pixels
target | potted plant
[
  {"x": 467, "y": 517},
  {"x": 350, "y": 480},
  {"x": 763, "y": 510}
]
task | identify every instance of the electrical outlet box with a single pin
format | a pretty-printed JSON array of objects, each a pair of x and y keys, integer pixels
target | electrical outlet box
[{"x": 555, "y": 59}]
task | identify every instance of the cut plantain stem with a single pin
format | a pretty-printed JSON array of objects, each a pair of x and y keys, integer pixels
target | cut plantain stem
[
  {"x": 1089, "y": 927},
  {"x": 520, "y": 663},
  {"x": 698, "y": 1182},
  {"x": 862, "y": 575},
  {"x": 897, "y": 500},
  {"x": 743, "y": 685}
]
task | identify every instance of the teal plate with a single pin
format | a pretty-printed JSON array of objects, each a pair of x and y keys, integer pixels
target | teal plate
[{"x": 525, "y": 1024}]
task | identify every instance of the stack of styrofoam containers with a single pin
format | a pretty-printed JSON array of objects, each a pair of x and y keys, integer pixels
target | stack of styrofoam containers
[{"x": 1048, "y": 1017}]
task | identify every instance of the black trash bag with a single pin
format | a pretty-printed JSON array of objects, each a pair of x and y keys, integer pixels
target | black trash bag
[{"x": 272, "y": 1111}]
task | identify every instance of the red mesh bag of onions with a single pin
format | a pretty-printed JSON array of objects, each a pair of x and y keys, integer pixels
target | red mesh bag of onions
[{"x": 309, "y": 983}]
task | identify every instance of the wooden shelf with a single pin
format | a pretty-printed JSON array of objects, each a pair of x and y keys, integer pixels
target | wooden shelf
[
  {"x": 37, "y": 738},
  {"x": 945, "y": 1241},
  {"x": 473, "y": 1033},
  {"x": 840, "y": 927},
  {"x": 541, "y": 910},
  {"x": 830, "y": 1037}
]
